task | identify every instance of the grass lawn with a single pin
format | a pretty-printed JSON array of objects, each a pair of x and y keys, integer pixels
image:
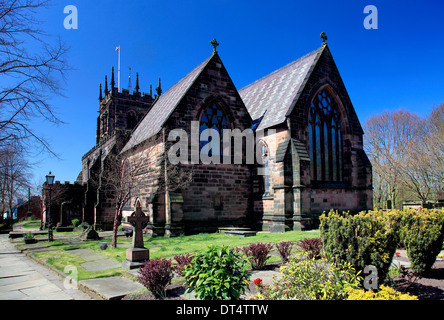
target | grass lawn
[
  {"x": 31, "y": 224},
  {"x": 159, "y": 247}
]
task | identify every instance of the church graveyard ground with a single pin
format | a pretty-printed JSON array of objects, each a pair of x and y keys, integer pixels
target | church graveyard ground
[
  {"x": 100, "y": 271},
  {"x": 91, "y": 262}
]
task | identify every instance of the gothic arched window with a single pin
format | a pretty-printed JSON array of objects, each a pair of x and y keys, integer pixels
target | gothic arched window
[
  {"x": 212, "y": 118},
  {"x": 325, "y": 140},
  {"x": 131, "y": 120},
  {"x": 264, "y": 170}
]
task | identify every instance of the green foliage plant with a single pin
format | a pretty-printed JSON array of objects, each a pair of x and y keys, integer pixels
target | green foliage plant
[
  {"x": 367, "y": 238},
  {"x": 385, "y": 293},
  {"x": 422, "y": 234},
  {"x": 310, "y": 279},
  {"x": 75, "y": 222},
  {"x": 217, "y": 273}
]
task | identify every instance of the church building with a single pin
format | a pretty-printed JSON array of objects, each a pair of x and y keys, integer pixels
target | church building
[{"x": 298, "y": 120}]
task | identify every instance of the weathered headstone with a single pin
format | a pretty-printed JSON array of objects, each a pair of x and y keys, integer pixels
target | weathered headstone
[
  {"x": 65, "y": 213},
  {"x": 137, "y": 254},
  {"x": 89, "y": 233}
]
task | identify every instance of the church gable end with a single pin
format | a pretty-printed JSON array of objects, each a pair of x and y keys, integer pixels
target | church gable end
[
  {"x": 324, "y": 121},
  {"x": 306, "y": 132},
  {"x": 217, "y": 194}
]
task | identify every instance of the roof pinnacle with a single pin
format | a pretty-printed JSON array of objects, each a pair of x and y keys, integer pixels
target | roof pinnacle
[
  {"x": 324, "y": 38},
  {"x": 215, "y": 44},
  {"x": 137, "y": 87}
]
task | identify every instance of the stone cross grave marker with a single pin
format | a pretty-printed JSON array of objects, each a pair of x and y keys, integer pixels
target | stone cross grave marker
[
  {"x": 137, "y": 254},
  {"x": 137, "y": 221}
]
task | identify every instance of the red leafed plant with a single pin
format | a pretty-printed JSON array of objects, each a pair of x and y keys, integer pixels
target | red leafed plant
[
  {"x": 258, "y": 254},
  {"x": 155, "y": 275},
  {"x": 182, "y": 261},
  {"x": 284, "y": 249},
  {"x": 312, "y": 247}
]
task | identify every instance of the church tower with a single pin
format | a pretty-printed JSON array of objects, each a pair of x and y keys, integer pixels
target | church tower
[
  {"x": 119, "y": 114},
  {"x": 120, "y": 111}
]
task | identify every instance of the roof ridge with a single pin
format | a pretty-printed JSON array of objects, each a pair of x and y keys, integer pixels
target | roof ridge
[
  {"x": 200, "y": 65},
  {"x": 134, "y": 140},
  {"x": 282, "y": 68}
]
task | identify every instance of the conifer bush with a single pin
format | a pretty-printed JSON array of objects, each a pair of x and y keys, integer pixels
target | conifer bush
[
  {"x": 422, "y": 234},
  {"x": 367, "y": 238}
]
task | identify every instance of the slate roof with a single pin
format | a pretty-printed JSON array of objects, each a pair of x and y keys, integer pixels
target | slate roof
[
  {"x": 270, "y": 97},
  {"x": 152, "y": 123},
  {"x": 299, "y": 148},
  {"x": 273, "y": 95}
]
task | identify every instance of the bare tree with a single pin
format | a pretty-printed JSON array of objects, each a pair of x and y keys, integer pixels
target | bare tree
[
  {"x": 14, "y": 175},
  {"x": 145, "y": 169},
  {"x": 407, "y": 152},
  {"x": 387, "y": 144},
  {"x": 436, "y": 141},
  {"x": 416, "y": 167},
  {"x": 31, "y": 68}
]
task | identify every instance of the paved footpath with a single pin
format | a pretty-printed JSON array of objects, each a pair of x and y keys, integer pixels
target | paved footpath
[{"x": 23, "y": 279}]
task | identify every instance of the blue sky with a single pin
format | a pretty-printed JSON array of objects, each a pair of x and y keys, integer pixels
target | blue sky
[{"x": 399, "y": 65}]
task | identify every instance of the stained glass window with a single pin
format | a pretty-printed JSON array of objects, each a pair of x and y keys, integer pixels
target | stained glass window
[
  {"x": 213, "y": 118},
  {"x": 325, "y": 140}
]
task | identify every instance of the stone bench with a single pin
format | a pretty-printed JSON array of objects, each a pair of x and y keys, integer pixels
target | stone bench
[
  {"x": 225, "y": 229},
  {"x": 241, "y": 233},
  {"x": 19, "y": 234}
]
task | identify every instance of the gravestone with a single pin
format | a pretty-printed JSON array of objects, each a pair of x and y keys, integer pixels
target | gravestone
[
  {"x": 89, "y": 233},
  {"x": 65, "y": 214},
  {"x": 137, "y": 254}
]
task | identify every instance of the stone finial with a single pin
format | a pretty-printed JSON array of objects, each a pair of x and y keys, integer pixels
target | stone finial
[
  {"x": 159, "y": 89},
  {"x": 215, "y": 44},
  {"x": 106, "y": 85},
  {"x": 137, "y": 87},
  {"x": 113, "y": 83},
  {"x": 324, "y": 38},
  {"x": 100, "y": 93}
]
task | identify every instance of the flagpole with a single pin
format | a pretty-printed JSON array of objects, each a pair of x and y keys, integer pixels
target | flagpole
[{"x": 118, "y": 73}]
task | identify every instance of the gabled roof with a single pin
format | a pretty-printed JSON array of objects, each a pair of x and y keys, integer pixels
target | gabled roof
[
  {"x": 274, "y": 95},
  {"x": 153, "y": 121},
  {"x": 299, "y": 148}
]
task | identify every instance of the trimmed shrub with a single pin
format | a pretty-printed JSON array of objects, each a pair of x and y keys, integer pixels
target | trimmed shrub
[
  {"x": 182, "y": 261},
  {"x": 284, "y": 249},
  {"x": 367, "y": 238},
  {"x": 258, "y": 254},
  {"x": 75, "y": 222},
  {"x": 218, "y": 273},
  {"x": 312, "y": 247},
  {"x": 422, "y": 234},
  {"x": 386, "y": 293},
  {"x": 310, "y": 279},
  {"x": 156, "y": 275}
]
